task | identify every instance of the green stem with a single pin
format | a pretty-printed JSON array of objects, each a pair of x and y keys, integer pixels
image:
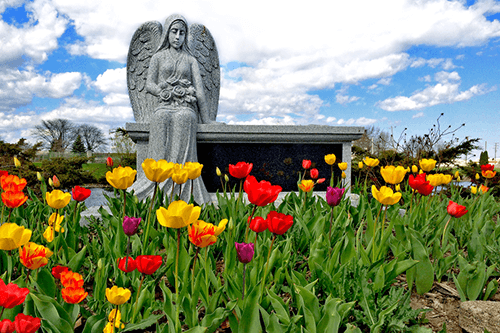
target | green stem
[
  {"x": 177, "y": 300},
  {"x": 206, "y": 268},
  {"x": 330, "y": 232},
  {"x": 149, "y": 217},
  {"x": 375, "y": 231},
  {"x": 267, "y": 264},
  {"x": 194, "y": 266},
  {"x": 124, "y": 192},
  {"x": 444, "y": 231},
  {"x": 114, "y": 319},
  {"x": 248, "y": 223},
  {"x": 244, "y": 274},
  {"x": 137, "y": 299},
  {"x": 1, "y": 220}
]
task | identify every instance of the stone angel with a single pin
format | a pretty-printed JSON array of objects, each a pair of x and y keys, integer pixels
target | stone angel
[{"x": 173, "y": 78}]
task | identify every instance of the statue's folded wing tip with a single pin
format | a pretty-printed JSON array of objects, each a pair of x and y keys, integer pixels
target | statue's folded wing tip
[{"x": 142, "y": 47}]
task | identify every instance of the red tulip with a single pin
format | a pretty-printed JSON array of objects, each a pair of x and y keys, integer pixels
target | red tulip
[
  {"x": 26, "y": 324},
  {"x": 306, "y": 164},
  {"x": 425, "y": 189},
  {"x": 11, "y": 295},
  {"x": 314, "y": 173},
  {"x": 456, "y": 210},
  {"x": 320, "y": 181},
  {"x": 80, "y": 193},
  {"x": 240, "y": 170},
  {"x": 109, "y": 162},
  {"x": 13, "y": 183},
  {"x": 6, "y": 326},
  {"x": 58, "y": 270},
  {"x": 261, "y": 193},
  {"x": 487, "y": 167},
  {"x": 279, "y": 223},
  {"x": 416, "y": 182},
  {"x": 148, "y": 264},
  {"x": 258, "y": 224},
  {"x": 127, "y": 266}
]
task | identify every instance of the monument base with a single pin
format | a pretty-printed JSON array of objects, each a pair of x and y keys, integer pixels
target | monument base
[{"x": 275, "y": 151}]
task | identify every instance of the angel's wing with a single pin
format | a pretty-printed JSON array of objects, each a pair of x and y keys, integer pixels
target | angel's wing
[
  {"x": 142, "y": 47},
  {"x": 202, "y": 45}
]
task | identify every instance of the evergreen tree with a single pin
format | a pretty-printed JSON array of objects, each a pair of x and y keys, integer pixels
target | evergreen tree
[{"x": 78, "y": 146}]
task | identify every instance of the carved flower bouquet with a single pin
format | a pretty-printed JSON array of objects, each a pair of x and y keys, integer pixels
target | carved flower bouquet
[{"x": 177, "y": 92}]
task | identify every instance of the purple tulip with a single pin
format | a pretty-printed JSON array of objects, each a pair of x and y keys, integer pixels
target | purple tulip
[
  {"x": 245, "y": 252},
  {"x": 130, "y": 225},
  {"x": 334, "y": 195}
]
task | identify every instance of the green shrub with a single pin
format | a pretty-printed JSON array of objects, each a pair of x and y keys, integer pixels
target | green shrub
[{"x": 69, "y": 171}]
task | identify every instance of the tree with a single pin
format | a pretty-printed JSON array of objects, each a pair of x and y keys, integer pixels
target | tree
[
  {"x": 78, "y": 146},
  {"x": 374, "y": 140},
  {"x": 56, "y": 134},
  {"x": 92, "y": 136}
]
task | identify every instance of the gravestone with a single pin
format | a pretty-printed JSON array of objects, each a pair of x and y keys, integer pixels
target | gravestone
[{"x": 173, "y": 77}]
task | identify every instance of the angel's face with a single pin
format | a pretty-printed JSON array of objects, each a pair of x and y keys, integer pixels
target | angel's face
[{"x": 177, "y": 34}]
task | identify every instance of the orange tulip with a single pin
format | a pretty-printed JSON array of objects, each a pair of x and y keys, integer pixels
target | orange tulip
[
  {"x": 13, "y": 183},
  {"x": 488, "y": 174},
  {"x": 13, "y": 199},
  {"x": 306, "y": 185},
  {"x": 73, "y": 295}
]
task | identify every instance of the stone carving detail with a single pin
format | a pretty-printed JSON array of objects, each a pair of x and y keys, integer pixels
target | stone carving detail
[{"x": 173, "y": 78}]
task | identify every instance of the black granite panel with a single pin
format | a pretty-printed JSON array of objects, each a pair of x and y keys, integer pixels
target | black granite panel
[{"x": 279, "y": 164}]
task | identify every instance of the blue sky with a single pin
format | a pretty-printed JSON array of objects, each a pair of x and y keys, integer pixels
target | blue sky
[{"x": 390, "y": 64}]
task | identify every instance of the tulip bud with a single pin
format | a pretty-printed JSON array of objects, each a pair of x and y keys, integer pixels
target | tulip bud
[
  {"x": 398, "y": 188},
  {"x": 226, "y": 178},
  {"x": 130, "y": 225},
  {"x": 51, "y": 183},
  {"x": 217, "y": 171},
  {"x": 414, "y": 169},
  {"x": 343, "y": 175},
  {"x": 314, "y": 173},
  {"x": 457, "y": 174},
  {"x": 99, "y": 263},
  {"x": 321, "y": 180},
  {"x": 245, "y": 252},
  {"x": 39, "y": 176},
  {"x": 16, "y": 162},
  {"x": 109, "y": 162},
  {"x": 360, "y": 164},
  {"x": 230, "y": 225},
  {"x": 477, "y": 176},
  {"x": 473, "y": 189},
  {"x": 55, "y": 181}
]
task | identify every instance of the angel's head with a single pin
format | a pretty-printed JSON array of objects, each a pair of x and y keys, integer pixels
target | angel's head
[{"x": 174, "y": 33}]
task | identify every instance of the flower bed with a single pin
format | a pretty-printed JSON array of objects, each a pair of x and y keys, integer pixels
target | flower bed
[{"x": 309, "y": 264}]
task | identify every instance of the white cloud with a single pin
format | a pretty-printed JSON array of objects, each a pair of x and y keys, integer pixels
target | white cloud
[
  {"x": 18, "y": 87},
  {"x": 446, "y": 64},
  {"x": 35, "y": 39},
  {"x": 112, "y": 81},
  {"x": 441, "y": 93},
  {"x": 417, "y": 115}
]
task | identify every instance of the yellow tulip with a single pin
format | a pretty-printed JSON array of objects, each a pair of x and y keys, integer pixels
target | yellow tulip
[
  {"x": 13, "y": 236},
  {"x": 446, "y": 179},
  {"x": 34, "y": 256},
  {"x": 180, "y": 175},
  {"x": 194, "y": 169},
  {"x": 360, "y": 165},
  {"x": 217, "y": 171},
  {"x": 178, "y": 215},
  {"x": 385, "y": 195},
  {"x": 427, "y": 164},
  {"x": 49, "y": 233},
  {"x": 435, "y": 180},
  {"x": 393, "y": 175},
  {"x": 121, "y": 178},
  {"x": 477, "y": 176},
  {"x": 371, "y": 162},
  {"x": 117, "y": 295},
  {"x": 306, "y": 185},
  {"x": 414, "y": 169},
  {"x": 398, "y": 187},
  {"x": 16, "y": 162},
  {"x": 116, "y": 316},
  {"x": 330, "y": 159},
  {"x": 39, "y": 176},
  {"x": 457, "y": 174},
  {"x": 344, "y": 176},
  {"x": 159, "y": 171},
  {"x": 57, "y": 199},
  {"x": 473, "y": 189},
  {"x": 343, "y": 166}
]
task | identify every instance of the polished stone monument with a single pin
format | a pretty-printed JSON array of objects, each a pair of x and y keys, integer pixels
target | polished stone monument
[{"x": 173, "y": 77}]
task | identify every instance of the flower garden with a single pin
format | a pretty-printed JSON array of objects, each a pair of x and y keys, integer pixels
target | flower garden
[{"x": 248, "y": 263}]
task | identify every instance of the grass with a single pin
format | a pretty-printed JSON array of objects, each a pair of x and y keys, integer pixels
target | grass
[{"x": 98, "y": 170}]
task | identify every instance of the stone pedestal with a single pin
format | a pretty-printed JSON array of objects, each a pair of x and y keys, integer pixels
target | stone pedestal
[{"x": 276, "y": 151}]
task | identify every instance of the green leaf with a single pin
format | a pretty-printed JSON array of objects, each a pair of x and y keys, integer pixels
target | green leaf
[
  {"x": 149, "y": 321},
  {"x": 45, "y": 282},
  {"x": 76, "y": 262},
  {"x": 52, "y": 312},
  {"x": 424, "y": 272},
  {"x": 251, "y": 322},
  {"x": 279, "y": 307}
]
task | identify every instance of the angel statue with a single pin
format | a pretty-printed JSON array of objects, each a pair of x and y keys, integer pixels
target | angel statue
[{"x": 173, "y": 78}]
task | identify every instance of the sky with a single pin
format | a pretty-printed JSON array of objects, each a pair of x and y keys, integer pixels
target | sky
[{"x": 392, "y": 64}]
